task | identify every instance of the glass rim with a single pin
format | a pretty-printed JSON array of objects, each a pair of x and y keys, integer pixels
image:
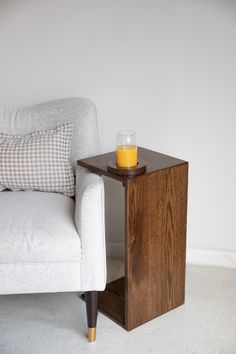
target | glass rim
[{"x": 126, "y": 132}]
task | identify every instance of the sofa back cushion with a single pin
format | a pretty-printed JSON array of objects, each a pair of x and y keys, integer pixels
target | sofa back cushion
[
  {"x": 81, "y": 112},
  {"x": 38, "y": 161}
]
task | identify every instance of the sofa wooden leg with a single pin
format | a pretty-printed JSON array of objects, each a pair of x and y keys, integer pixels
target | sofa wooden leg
[{"x": 91, "y": 299}]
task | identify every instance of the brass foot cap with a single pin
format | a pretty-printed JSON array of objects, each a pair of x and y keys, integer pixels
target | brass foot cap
[{"x": 91, "y": 334}]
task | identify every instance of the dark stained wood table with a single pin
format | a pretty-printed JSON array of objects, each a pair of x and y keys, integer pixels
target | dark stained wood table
[{"x": 155, "y": 239}]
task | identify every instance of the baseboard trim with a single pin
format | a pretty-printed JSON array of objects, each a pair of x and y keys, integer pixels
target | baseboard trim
[
  {"x": 195, "y": 256},
  {"x": 216, "y": 258}
]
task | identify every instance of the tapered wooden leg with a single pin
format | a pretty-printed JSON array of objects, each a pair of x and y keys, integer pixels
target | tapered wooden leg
[{"x": 91, "y": 299}]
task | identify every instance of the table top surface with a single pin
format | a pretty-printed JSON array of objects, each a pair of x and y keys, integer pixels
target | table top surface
[{"x": 155, "y": 162}]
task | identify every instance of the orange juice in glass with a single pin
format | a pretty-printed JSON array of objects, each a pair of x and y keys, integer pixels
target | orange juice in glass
[{"x": 126, "y": 149}]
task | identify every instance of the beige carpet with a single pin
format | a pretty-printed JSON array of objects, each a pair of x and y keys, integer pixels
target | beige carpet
[{"x": 56, "y": 323}]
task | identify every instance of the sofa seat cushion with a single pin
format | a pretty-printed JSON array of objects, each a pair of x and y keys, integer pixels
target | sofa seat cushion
[{"x": 37, "y": 227}]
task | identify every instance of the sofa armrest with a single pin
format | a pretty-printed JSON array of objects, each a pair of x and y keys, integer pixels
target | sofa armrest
[{"x": 90, "y": 223}]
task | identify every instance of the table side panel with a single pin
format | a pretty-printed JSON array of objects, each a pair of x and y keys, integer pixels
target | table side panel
[{"x": 156, "y": 213}]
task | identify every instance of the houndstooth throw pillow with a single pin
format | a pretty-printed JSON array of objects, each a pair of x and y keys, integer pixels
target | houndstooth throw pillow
[{"x": 38, "y": 161}]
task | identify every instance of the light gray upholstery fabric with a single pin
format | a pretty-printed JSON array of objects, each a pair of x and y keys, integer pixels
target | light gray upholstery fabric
[
  {"x": 80, "y": 111},
  {"x": 90, "y": 223},
  {"x": 88, "y": 272},
  {"x": 37, "y": 227}
]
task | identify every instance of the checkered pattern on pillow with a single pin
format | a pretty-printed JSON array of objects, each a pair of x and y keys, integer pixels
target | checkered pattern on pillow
[{"x": 38, "y": 161}]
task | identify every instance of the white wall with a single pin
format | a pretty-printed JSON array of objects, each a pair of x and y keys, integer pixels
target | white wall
[{"x": 166, "y": 69}]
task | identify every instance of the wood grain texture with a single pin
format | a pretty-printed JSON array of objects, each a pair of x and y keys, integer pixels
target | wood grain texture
[
  {"x": 112, "y": 301},
  {"x": 154, "y": 161},
  {"x": 155, "y": 240},
  {"x": 156, "y": 208}
]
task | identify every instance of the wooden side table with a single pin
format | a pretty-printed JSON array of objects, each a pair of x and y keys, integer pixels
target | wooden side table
[{"x": 155, "y": 239}]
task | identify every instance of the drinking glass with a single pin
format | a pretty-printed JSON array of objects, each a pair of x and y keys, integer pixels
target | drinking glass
[{"x": 126, "y": 149}]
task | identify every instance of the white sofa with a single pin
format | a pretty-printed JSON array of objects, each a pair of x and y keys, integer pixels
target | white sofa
[{"x": 50, "y": 242}]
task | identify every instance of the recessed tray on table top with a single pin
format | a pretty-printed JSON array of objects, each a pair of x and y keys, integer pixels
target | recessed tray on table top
[{"x": 139, "y": 169}]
